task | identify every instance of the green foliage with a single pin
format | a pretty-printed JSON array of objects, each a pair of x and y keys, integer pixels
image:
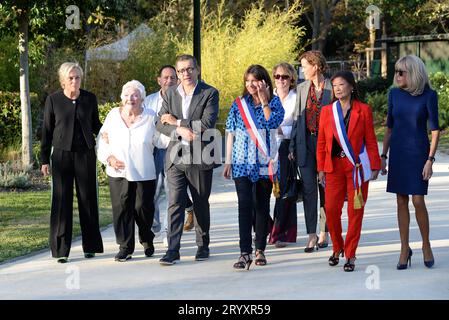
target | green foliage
[
  {"x": 228, "y": 49},
  {"x": 379, "y": 105},
  {"x": 372, "y": 85},
  {"x": 13, "y": 176},
  {"x": 103, "y": 109},
  {"x": 11, "y": 117},
  {"x": 440, "y": 83},
  {"x": 148, "y": 55}
]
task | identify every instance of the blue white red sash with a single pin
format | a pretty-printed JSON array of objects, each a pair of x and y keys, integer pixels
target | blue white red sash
[
  {"x": 250, "y": 121},
  {"x": 362, "y": 161}
]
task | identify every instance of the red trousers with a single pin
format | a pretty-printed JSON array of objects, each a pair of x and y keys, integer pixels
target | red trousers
[{"x": 338, "y": 183}]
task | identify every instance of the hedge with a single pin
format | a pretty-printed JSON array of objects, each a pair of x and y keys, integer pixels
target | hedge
[{"x": 11, "y": 117}]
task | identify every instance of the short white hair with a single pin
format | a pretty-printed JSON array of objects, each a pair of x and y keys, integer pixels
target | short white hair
[
  {"x": 134, "y": 84},
  {"x": 65, "y": 69}
]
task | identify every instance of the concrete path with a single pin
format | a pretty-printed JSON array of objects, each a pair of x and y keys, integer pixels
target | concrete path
[{"x": 290, "y": 273}]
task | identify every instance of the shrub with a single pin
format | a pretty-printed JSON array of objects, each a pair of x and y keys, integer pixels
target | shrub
[
  {"x": 13, "y": 176},
  {"x": 440, "y": 83},
  {"x": 379, "y": 104},
  {"x": 228, "y": 49},
  {"x": 11, "y": 117},
  {"x": 372, "y": 85},
  {"x": 146, "y": 56}
]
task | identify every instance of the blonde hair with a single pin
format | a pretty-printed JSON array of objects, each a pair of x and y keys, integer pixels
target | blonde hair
[
  {"x": 65, "y": 69},
  {"x": 134, "y": 84},
  {"x": 290, "y": 70},
  {"x": 416, "y": 74}
]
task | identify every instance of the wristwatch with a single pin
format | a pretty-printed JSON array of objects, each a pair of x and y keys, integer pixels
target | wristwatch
[{"x": 431, "y": 159}]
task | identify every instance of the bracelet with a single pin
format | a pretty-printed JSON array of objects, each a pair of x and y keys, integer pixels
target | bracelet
[
  {"x": 431, "y": 159},
  {"x": 384, "y": 156}
]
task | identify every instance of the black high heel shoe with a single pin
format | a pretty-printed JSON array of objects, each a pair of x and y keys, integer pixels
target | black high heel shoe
[
  {"x": 429, "y": 263},
  {"x": 349, "y": 265},
  {"x": 312, "y": 248},
  {"x": 244, "y": 261},
  {"x": 334, "y": 260},
  {"x": 409, "y": 261}
]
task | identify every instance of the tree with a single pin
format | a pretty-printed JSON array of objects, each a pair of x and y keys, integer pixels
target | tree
[{"x": 322, "y": 11}]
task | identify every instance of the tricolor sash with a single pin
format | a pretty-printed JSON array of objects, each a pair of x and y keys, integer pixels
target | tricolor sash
[
  {"x": 362, "y": 161},
  {"x": 250, "y": 121}
]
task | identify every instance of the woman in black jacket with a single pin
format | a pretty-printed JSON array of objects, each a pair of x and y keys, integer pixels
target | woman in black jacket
[{"x": 68, "y": 147}]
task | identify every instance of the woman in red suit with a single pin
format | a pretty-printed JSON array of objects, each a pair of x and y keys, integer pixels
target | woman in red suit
[{"x": 347, "y": 158}]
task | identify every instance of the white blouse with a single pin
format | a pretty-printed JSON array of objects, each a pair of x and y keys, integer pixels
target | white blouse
[
  {"x": 289, "y": 107},
  {"x": 134, "y": 145}
]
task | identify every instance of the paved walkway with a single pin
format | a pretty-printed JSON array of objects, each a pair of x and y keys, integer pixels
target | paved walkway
[{"x": 290, "y": 274}]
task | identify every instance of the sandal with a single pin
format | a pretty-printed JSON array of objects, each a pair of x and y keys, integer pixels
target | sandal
[
  {"x": 349, "y": 265},
  {"x": 334, "y": 260},
  {"x": 244, "y": 261},
  {"x": 260, "y": 258}
]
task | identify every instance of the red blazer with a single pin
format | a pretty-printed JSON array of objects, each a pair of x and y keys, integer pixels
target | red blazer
[{"x": 361, "y": 129}]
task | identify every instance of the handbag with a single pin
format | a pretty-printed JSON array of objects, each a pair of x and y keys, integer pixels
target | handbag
[{"x": 294, "y": 185}]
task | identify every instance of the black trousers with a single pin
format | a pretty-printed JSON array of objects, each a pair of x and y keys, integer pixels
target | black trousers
[
  {"x": 312, "y": 189},
  {"x": 79, "y": 167},
  {"x": 200, "y": 184},
  {"x": 253, "y": 197},
  {"x": 132, "y": 203}
]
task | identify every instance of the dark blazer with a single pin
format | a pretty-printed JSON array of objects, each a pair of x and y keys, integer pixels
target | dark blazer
[
  {"x": 203, "y": 110},
  {"x": 59, "y": 120},
  {"x": 298, "y": 137}
]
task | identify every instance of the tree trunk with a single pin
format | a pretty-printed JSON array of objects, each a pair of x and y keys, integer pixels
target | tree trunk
[
  {"x": 323, "y": 11},
  {"x": 25, "y": 105}
]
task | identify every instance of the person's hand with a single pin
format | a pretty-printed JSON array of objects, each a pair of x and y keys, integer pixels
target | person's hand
[
  {"x": 374, "y": 174},
  {"x": 115, "y": 163},
  {"x": 427, "y": 171},
  {"x": 45, "y": 169},
  {"x": 105, "y": 137},
  {"x": 169, "y": 119},
  {"x": 227, "y": 171},
  {"x": 185, "y": 133},
  {"x": 291, "y": 156},
  {"x": 263, "y": 92},
  {"x": 383, "y": 166},
  {"x": 322, "y": 178}
]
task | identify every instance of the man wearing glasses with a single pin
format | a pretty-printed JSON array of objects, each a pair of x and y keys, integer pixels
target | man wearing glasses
[{"x": 188, "y": 109}]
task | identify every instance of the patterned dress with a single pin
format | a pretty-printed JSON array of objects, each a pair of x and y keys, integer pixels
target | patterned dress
[{"x": 247, "y": 161}]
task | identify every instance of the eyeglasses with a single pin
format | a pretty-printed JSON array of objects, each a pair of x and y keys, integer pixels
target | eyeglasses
[
  {"x": 282, "y": 76},
  {"x": 400, "y": 72},
  {"x": 189, "y": 70}
]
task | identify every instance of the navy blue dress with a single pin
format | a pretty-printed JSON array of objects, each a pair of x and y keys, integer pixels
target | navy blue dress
[{"x": 409, "y": 143}]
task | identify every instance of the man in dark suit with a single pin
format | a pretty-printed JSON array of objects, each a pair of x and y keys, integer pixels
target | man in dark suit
[{"x": 188, "y": 110}]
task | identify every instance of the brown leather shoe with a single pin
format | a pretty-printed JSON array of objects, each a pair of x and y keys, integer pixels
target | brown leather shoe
[{"x": 189, "y": 221}]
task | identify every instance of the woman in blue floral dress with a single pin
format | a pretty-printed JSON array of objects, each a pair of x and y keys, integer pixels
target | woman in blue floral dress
[{"x": 250, "y": 149}]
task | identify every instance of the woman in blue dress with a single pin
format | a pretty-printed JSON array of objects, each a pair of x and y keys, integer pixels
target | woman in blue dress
[
  {"x": 250, "y": 146},
  {"x": 411, "y": 106}
]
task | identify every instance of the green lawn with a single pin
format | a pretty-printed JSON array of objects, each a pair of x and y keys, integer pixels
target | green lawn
[{"x": 25, "y": 218}]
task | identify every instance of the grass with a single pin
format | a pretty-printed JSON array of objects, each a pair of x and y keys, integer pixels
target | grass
[{"x": 25, "y": 221}]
